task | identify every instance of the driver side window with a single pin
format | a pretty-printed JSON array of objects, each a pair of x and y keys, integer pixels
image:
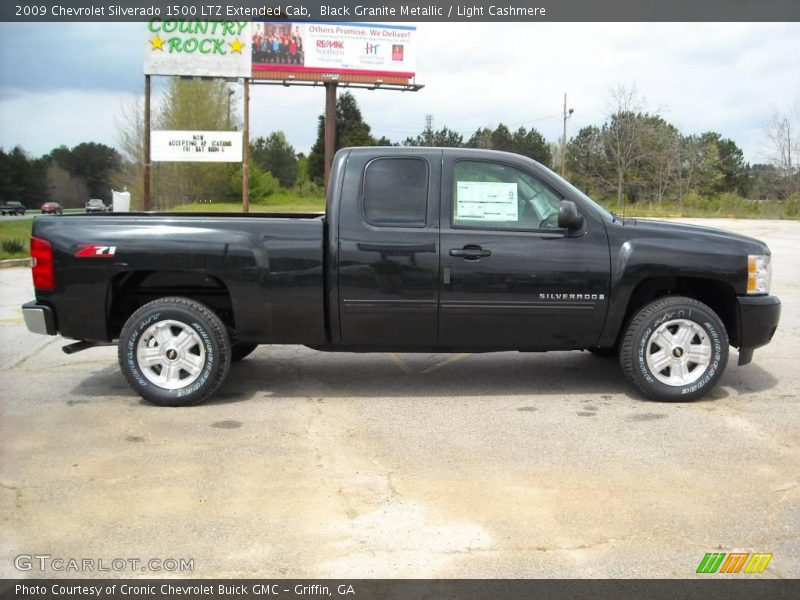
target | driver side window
[{"x": 490, "y": 195}]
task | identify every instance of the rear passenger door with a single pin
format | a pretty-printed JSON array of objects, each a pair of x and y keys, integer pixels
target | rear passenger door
[{"x": 388, "y": 256}]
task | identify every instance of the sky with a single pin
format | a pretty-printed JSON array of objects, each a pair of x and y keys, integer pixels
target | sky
[{"x": 66, "y": 83}]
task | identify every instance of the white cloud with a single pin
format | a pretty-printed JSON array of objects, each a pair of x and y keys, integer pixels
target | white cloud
[{"x": 40, "y": 122}]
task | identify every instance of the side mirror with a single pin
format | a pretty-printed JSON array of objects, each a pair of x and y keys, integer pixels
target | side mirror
[{"x": 568, "y": 216}]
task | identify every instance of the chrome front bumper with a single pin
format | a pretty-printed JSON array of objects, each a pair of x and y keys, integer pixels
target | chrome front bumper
[{"x": 39, "y": 318}]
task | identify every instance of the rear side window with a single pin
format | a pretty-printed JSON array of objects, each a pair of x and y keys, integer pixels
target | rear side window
[{"x": 396, "y": 192}]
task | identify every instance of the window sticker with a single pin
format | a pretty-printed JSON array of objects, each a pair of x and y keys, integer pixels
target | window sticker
[{"x": 486, "y": 201}]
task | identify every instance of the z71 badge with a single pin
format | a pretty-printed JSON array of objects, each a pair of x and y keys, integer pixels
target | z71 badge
[{"x": 94, "y": 251}]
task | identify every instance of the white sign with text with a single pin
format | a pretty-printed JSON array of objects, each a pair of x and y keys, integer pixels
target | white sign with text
[
  {"x": 486, "y": 201},
  {"x": 196, "y": 146}
]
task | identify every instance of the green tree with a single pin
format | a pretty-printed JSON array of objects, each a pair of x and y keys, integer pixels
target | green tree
[
  {"x": 262, "y": 184},
  {"x": 767, "y": 182},
  {"x": 441, "y": 138},
  {"x": 93, "y": 163},
  {"x": 531, "y": 143},
  {"x": 351, "y": 130},
  {"x": 733, "y": 169},
  {"x": 276, "y": 155},
  {"x": 587, "y": 164},
  {"x": 526, "y": 142},
  {"x": 656, "y": 173},
  {"x": 482, "y": 138},
  {"x": 23, "y": 178}
]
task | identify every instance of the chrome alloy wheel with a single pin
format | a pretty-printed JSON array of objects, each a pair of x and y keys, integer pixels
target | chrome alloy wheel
[
  {"x": 678, "y": 352},
  {"x": 171, "y": 354}
]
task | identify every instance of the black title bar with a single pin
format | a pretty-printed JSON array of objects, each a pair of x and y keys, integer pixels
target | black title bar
[
  {"x": 407, "y": 11},
  {"x": 711, "y": 588}
]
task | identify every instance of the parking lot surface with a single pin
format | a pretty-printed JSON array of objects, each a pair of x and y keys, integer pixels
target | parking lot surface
[{"x": 309, "y": 464}]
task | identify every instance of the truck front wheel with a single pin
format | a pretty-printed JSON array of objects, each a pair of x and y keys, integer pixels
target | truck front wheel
[
  {"x": 174, "y": 352},
  {"x": 674, "y": 349}
]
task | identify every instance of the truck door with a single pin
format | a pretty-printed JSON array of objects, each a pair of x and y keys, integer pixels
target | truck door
[
  {"x": 388, "y": 255},
  {"x": 510, "y": 277}
]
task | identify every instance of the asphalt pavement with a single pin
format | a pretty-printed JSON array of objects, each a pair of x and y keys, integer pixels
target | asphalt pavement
[
  {"x": 31, "y": 213},
  {"x": 309, "y": 464}
]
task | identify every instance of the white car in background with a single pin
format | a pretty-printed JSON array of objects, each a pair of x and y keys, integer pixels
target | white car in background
[{"x": 96, "y": 205}]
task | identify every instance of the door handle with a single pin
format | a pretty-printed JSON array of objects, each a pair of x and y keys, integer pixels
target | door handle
[{"x": 470, "y": 252}]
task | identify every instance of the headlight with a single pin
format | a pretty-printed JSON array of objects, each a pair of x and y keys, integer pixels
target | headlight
[{"x": 759, "y": 274}]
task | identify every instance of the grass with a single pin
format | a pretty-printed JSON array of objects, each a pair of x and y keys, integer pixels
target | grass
[
  {"x": 726, "y": 206},
  {"x": 309, "y": 205},
  {"x": 285, "y": 201},
  {"x": 15, "y": 239}
]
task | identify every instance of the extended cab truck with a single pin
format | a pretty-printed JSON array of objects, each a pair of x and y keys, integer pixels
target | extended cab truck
[{"x": 420, "y": 249}]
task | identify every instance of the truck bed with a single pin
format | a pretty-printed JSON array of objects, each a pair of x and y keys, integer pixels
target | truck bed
[{"x": 266, "y": 271}]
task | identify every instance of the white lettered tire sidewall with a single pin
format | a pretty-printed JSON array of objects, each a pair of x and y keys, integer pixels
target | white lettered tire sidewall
[
  {"x": 633, "y": 357},
  {"x": 201, "y": 320}
]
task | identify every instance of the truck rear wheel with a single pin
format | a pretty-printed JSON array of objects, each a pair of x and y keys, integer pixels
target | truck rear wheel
[
  {"x": 674, "y": 349},
  {"x": 174, "y": 352}
]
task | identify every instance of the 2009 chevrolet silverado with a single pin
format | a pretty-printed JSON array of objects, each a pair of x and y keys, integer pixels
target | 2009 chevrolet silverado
[{"x": 420, "y": 249}]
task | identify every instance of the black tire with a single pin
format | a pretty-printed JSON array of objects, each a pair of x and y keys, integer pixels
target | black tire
[
  {"x": 211, "y": 350},
  {"x": 639, "y": 348},
  {"x": 612, "y": 352},
  {"x": 240, "y": 351}
]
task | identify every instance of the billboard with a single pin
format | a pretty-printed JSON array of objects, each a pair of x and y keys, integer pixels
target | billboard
[
  {"x": 198, "y": 48},
  {"x": 196, "y": 146},
  {"x": 334, "y": 48}
]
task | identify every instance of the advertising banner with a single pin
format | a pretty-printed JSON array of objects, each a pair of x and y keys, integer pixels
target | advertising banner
[
  {"x": 196, "y": 146},
  {"x": 328, "y": 48},
  {"x": 198, "y": 48}
]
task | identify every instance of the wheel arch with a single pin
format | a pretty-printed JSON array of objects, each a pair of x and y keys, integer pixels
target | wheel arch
[
  {"x": 130, "y": 290},
  {"x": 718, "y": 295}
]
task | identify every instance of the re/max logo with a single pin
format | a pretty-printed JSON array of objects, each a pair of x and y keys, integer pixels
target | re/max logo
[
  {"x": 330, "y": 44},
  {"x": 734, "y": 562}
]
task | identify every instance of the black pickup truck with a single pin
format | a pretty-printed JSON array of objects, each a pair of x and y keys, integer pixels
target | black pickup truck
[{"x": 420, "y": 249}]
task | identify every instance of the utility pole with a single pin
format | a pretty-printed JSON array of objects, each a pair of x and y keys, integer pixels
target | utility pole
[
  {"x": 230, "y": 95},
  {"x": 146, "y": 175},
  {"x": 567, "y": 115},
  {"x": 246, "y": 148},
  {"x": 330, "y": 128},
  {"x": 789, "y": 153}
]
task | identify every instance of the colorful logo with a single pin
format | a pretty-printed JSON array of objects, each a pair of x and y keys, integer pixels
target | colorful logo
[
  {"x": 94, "y": 251},
  {"x": 734, "y": 562},
  {"x": 330, "y": 44}
]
